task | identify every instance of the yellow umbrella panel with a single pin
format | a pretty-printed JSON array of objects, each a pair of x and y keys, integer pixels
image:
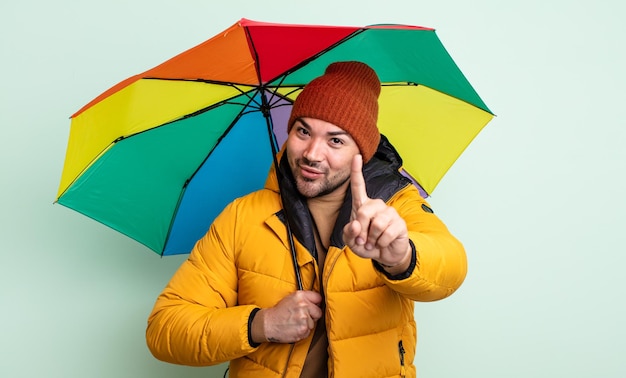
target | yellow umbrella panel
[{"x": 429, "y": 129}]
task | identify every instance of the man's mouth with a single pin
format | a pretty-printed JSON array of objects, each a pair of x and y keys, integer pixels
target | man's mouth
[{"x": 310, "y": 173}]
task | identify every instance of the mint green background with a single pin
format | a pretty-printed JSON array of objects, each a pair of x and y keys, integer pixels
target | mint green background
[{"x": 537, "y": 199}]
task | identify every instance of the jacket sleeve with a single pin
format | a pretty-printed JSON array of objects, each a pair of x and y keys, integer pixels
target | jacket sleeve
[
  {"x": 440, "y": 263},
  {"x": 196, "y": 320}
]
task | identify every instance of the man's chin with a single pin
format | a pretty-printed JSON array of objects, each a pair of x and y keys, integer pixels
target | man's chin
[{"x": 307, "y": 189}]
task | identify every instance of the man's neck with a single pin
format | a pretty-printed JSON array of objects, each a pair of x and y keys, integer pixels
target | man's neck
[{"x": 333, "y": 200}]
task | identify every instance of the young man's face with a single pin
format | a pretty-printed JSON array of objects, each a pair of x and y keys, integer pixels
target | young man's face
[{"x": 320, "y": 156}]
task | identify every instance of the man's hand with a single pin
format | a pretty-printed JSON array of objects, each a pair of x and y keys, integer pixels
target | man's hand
[
  {"x": 375, "y": 231},
  {"x": 290, "y": 320}
]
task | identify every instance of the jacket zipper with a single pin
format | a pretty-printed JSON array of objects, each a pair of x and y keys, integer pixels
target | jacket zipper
[
  {"x": 288, "y": 359},
  {"x": 293, "y": 346},
  {"x": 329, "y": 266},
  {"x": 402, "y": 351}
]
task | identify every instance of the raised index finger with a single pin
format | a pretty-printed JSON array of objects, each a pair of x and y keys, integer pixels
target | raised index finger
[{"x": 357, "y": 183}]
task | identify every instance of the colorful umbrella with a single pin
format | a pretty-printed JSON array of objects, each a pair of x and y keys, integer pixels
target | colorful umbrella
[{"x": 160, "y": 154}]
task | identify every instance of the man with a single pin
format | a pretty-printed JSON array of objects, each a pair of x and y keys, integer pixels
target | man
[{"x": 367, "y": 246}]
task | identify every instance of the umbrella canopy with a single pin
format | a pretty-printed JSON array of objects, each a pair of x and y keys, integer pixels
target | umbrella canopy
[{"x": 160, "y": 154}]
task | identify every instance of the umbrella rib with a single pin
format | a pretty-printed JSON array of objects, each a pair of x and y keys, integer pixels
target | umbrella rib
[
  {"x": 200, "y": 80},
  {"x": 308, "y": 60},
  {"x": 188, "y": 180},
  {"x": 190, "y": 115},
  {"x": 215, "y": 105},
  {"x": 286, "y": 73},
  {"x": 219, "y": 140},
  {"x": 226, "y": 101},
  {"x": 401, "y": 84},
  {"x": 87, "y": 166},
  {"x": 265, "y": 109},
  {"x": 216, "y": 82}
]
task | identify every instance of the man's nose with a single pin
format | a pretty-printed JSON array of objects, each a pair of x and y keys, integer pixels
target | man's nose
[{"x": 313, "y": 151}]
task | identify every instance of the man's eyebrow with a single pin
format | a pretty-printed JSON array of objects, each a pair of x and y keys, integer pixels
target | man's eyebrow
[
  {"x": 331, "y": 133},
  {"x": 337, "y": 133},
  {"x": 304, "y": 123}
]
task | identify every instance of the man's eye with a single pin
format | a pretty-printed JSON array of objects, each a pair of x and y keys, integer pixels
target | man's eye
[
  {"x": 336, "y": 141},
  {"x": 303, "y": 131}
]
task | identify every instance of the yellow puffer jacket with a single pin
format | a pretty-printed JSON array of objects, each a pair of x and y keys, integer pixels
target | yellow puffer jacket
[{"x": 243, "y": 263}]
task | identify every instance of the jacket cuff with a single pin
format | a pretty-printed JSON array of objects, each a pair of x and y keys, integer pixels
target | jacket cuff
[
  {"x": 250, "y": 318},
  {"x": 407, "y": 273}
]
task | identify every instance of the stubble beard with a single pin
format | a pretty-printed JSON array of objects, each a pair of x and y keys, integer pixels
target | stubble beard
[{"x": 326, "y": 185}]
